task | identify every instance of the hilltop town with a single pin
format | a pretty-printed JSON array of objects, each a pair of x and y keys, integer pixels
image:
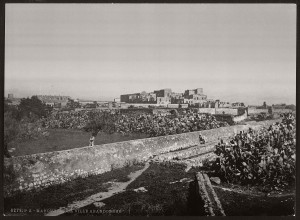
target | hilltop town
[{"x": 163, "y": 99}]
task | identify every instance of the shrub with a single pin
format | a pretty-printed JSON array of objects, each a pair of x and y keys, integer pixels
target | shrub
[{"x": 265, "y": 157}]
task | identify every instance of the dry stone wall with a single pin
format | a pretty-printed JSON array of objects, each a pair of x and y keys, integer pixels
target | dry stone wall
[
  {"x": 281, "y": 110},
  {"x": 207, "y": 110},
  {"x": 44, "y": 169},
  {"x": 240, "y": 117},
  {"x": 256, "y": 111},
  {"x": 230, "y": 111}
]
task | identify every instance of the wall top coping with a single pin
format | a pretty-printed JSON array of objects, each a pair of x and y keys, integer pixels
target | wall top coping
[{"x": 108, "y": 145}]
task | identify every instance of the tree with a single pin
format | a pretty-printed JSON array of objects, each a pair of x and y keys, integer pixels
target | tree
[
  {"x": 11, "y": 131},
  {"x": 104, "y": 122},
  {"x": 15, "y": 113},
  {"x": 71, "y": 104},
  {"x": 33, "y": 108},
  {"x": 291, "y": 107},
  {"x": 174, "y": 112}
]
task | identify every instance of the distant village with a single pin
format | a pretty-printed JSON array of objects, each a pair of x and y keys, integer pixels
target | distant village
[
  {"x": 163, "y": 98},
  {"x": 190, "y": 98}
]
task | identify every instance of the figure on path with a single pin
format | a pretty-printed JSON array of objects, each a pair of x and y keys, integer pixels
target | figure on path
[
  {"x": 201, "y": 139},
  {"x": 92, "y": 139}
]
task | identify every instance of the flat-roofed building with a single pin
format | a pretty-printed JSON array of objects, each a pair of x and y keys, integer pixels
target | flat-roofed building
[
  {"x": 163, "y": 93},
  {"x": 163, "y": 100}
]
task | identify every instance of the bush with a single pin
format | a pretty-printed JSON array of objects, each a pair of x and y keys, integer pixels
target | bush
[
  {"x": 11, "y": 131},
  {"x": 133, "y": 122},
  {"x": 265, "y": 157},
  {"x": 33, "y": 108},
  {"x": 19, "y": 130}
]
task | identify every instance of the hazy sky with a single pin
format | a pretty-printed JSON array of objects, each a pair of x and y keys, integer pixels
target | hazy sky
[{"x": 99, "y": 51}]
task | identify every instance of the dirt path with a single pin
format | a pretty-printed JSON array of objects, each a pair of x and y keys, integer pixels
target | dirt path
[{"x": 116, "y": 188}]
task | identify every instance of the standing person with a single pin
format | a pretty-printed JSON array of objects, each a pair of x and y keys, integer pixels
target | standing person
[
  {"x": 92, "y": 139},
  {"x": 202, "y": 139}
]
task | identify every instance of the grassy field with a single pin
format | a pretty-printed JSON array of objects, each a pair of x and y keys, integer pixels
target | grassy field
[{"x": 63, "y": 139}]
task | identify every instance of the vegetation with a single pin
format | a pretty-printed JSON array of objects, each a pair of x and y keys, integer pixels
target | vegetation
[
  {"x": 22, "y": 122},
  {"x": 261, "y": 117},
  {"x": 71, "y": 105},
  {"x": 145, "y": 123},
  {"x": 11, "y": 131},
  {"x": 33, "y": 108},
  {"x": 265, "y": 158},
  {"x": 104, "y": 122}
]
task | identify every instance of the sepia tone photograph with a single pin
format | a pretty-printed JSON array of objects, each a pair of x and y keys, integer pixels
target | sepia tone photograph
[{"x": 149, "y": 109}]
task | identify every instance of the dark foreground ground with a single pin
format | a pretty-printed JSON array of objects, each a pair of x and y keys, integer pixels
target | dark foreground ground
[
  {"x": 168, "y": 191},
  {"x": 165, "y": 195}
]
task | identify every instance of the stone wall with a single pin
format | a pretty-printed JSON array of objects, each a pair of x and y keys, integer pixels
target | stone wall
[
  {"x": 44, "y": 169},
  {"x": 240, "y": 117},
  {"x": 281, "y": 110},
  {"x": 146, "y": 105},
  {"x": 230, "y": 111},
  {"x": 207, "y": 110},
  {"x": 256, "y": 111},
  {"x": 173, "y": 105}
]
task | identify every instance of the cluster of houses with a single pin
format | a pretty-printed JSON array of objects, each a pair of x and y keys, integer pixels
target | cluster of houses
[
  {"x": 162, "y": 97},
  {"x": 190, "y": 97},
  {"x": 158, "y": 98}
]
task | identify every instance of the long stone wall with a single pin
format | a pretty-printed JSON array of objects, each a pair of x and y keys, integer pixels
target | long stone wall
[
  {"x": 230, "y": 111},
  {"x": 240, "y": 117},
  {"x": 43, "y": 169},
  {"x": 207, "y": 110},
  {"x": 256, "y": 111},
  {"x": 281, "y": 110}
]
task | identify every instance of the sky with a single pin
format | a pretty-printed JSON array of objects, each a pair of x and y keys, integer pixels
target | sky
[{"x": 235, "y": 52}]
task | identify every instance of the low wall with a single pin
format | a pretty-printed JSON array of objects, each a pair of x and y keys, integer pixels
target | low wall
[
  {"x": 146, "y": 105},
  {"x": 256, "y": 111},
  {"x": 207, "y": 110},
  {"x": 231, "y": 111},
  {"x": 173, "y": 105},
  {"x": 41, "y": 170},
  {"x": 240, "y": 117},
  {"x": 161, "y": 111},
  {"x": 281, "y": 110}
]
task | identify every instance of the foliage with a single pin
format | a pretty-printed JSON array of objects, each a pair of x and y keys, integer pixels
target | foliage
[
  {"x": 71, "y": 104},
  {"x": 105, "y": 122},
  {"x": 15, "y": 113},
  {"x": 11, "y": 128},
  {"x": 32, "y": 108},
  {"x": 265, "y": 157},
  {"x": 291, "y": 107},
  {"x": 19, "y": 129},
  {"x": 262, "y": 117},
  {"x": 135, "y": 122},
  {"x": 174, "y": 112}
]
